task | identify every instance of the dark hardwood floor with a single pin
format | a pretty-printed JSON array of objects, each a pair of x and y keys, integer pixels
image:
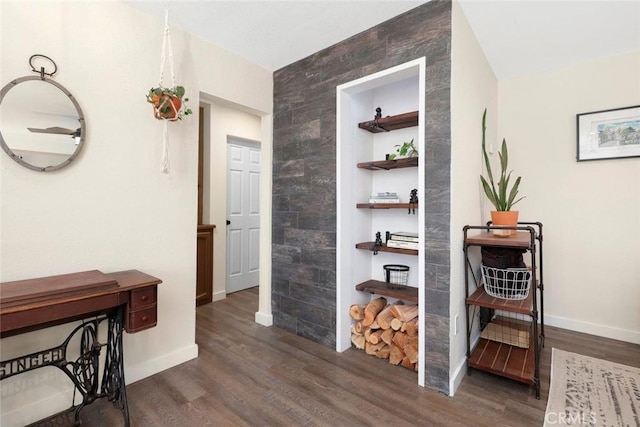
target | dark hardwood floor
[{"x": 250, "y": 375}]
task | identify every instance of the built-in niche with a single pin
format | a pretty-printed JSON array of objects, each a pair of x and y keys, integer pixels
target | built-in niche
[{"x": 396, "y": 91}]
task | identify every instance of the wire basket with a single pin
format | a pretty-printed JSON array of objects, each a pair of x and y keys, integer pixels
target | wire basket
[
  {"x": 507, "y": 283},
  {"x": 396, "y": 275}
]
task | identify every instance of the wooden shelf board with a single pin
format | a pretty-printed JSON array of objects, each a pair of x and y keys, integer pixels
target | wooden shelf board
[
  {"x": 387, "y": 205},
  {"x": 370, "y": 246},
  {"x": 483, "y": 299},
  {"x": 409, "y": 162},
  {"x": 504, "y": 360},
  {"x": 380, "y": 288},
  {"x": 385, "y": 124},
  {"x": 522, "y": 239}
]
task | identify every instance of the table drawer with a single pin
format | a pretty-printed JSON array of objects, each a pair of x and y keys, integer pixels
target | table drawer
[
  {"x": 142, "y": 319},
  {"x": 141, "y": 298}
]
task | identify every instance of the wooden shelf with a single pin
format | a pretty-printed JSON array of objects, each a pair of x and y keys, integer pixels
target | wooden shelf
[
  {"x": 522, "y": 239},
  {"x": 387, "y": 205},
  {"x": 370, "y": 246},
  {"x": 386, "y": 124},
  {"x": 483, "y": 299},
  {"x": 409, "y": 162},
  {"x": 505, "y": 360},
  {"x": 380, "y": 288}
]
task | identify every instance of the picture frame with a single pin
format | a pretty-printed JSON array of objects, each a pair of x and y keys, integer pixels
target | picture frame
[{"x": 608, "y": 134}]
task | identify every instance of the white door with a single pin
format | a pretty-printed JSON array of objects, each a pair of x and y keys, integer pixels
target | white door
[{"x": 243, "y": 214}]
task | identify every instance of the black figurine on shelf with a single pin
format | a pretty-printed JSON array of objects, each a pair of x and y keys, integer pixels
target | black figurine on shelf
[
  {"x": 413, "y": 199},
  {"x": 377, "y": 243},
  {"x": 376, "y": 118}
]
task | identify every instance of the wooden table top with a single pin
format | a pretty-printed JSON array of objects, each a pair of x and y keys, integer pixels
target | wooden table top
[{"x": 41, "y": 301}]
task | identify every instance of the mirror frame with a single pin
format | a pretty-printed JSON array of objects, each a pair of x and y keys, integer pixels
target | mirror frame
[{"x": 17, "y": 158}]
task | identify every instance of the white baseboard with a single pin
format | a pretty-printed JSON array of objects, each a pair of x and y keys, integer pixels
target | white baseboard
[
  {"x": 593, "y": 328},
  {"x": 133, "y": 373},
  {"x": 264, "y": 319},
  {"x": 37, "y": 407},
  {"x": 219, "y": 296},
  {"x": 457, "y": 376},
  {"x": 33, "y": 406}
]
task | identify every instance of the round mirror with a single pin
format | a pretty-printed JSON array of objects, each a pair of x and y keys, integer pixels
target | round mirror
[{"x": 41, "y": 123}]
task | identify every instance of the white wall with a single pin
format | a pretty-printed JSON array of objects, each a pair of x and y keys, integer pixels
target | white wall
[
  {"x": 112, "y": 209},
  {"x": 590, "y": 210},
  {"x": 473, "y": 88}
]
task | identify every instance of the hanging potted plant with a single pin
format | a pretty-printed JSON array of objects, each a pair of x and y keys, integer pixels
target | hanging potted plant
[
  {"x": 501, "y": 197},
  {"x": 168, "y": 103}
]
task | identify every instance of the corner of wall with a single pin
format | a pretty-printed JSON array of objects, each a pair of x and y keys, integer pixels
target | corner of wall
[{"x": 473, "y": 88}]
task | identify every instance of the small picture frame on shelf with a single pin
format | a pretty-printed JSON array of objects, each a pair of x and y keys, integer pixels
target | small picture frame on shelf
[{"x": 609, "y": 134}]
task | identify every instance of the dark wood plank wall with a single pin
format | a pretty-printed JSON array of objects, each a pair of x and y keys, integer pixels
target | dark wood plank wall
[{"x": 304, "y": 177}]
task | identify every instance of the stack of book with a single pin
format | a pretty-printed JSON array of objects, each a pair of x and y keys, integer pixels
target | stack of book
[
  {"x": 384, "y": 197},
  {"x": 403, "y": 240}
]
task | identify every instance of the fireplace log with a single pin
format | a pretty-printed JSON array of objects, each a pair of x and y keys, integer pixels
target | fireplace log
[
  {"x": 406, "y": 363},
  {"x": 384, "y": 352},
  {"x": 384, "y": 317},
  {"x": 356, "y": 311},
  {"x": 410, "y": 327},
  {"x": 387, "y": 335},
  {"x": 372, "y": 349},
  {"x": 396, "y": 355},
  {"x": 367, "y": 334},
  {"x": 396, "y": 324},
  {"x": 405, "y": 312},
  {"x": 400, "y": 339},
  {"x": 387, "y": 331},
  {"x": 358, "y": 341},
  {"x": 372, "y": 310},
  {"x": 374, "y": 337},
  {"x": 411, "y": 349}
]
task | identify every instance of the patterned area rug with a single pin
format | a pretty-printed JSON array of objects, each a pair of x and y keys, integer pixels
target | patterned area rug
[{"x": 586, "y": 391}]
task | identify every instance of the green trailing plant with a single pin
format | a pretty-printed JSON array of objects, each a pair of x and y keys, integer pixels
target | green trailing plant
[
  {"x": 168, "y": 102},
  {"x": 501, "y": 197},
  {"x": 407, "y": 149}
]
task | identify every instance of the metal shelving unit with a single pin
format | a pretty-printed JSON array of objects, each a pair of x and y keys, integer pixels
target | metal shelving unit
[{"x": 517, "y": 361}]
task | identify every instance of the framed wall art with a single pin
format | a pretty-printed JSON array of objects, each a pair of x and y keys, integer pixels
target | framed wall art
[{"x": 609, "y": 134}]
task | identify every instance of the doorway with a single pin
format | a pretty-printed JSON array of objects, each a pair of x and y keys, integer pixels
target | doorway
[
  {"x": 205, "y": 233},
  {"x": 243, "y": 214}
]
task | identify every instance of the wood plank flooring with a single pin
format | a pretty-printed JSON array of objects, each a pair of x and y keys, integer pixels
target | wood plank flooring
[{"x": 250, "y": 375}]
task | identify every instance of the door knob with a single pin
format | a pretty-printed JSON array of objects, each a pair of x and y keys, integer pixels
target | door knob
[{"x": 228, "y": 222}]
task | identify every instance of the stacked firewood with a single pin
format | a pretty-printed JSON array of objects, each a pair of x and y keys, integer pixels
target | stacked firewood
[{"x": 387, "y": 331}]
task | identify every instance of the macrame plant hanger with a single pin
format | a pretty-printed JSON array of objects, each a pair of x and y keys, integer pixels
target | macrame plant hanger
[{"x": 166, "y": 46}]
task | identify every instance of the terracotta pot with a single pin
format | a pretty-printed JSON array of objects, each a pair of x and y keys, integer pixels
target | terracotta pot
[
  {"x": 505, "y": 218},
  {"x": 167, "y": 107}
]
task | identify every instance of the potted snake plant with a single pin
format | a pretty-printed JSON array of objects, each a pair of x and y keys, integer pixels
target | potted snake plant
[{"x": 501, "y": 196}]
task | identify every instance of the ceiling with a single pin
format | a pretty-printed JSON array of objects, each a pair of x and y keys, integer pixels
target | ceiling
[{"x": 518, "y": 37}]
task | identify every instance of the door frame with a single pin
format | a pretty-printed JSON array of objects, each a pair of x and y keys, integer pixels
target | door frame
[{"x": 264, "y": 315}]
